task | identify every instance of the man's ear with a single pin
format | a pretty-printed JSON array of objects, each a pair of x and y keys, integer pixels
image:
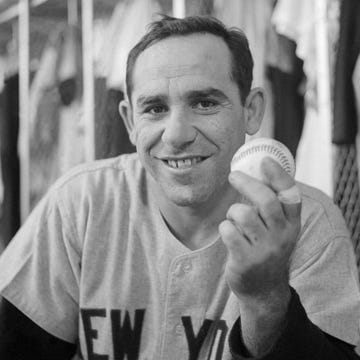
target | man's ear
[
  {"x": 126, "y": 113},
  {"x": 254, "y": 110}
]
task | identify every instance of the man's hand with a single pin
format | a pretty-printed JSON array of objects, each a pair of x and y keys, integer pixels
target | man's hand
[{"x": 260, "y": 237}]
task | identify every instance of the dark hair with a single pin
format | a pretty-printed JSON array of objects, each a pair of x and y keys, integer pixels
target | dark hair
[{"x": 235, "y": 39}]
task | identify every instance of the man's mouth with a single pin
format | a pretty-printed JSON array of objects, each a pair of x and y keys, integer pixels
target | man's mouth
[{"x": 184, "y": 163}]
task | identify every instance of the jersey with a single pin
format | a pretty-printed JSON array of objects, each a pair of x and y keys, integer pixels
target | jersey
[{"x": 95, "y": 263}]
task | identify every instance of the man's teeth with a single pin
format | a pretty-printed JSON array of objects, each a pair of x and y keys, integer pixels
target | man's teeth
[{"x": 184, "y": 163}]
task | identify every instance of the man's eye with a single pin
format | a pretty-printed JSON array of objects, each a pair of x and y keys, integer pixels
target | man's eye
[
  {"x": 157, "y": 109},
  {"x": 205, "y": 104}
]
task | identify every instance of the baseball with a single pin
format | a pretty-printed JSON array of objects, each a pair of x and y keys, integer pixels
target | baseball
[{"x": 249, "y": 156}]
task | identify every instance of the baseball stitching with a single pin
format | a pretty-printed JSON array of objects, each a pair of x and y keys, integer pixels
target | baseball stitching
[{"x": 269, "y": 149}]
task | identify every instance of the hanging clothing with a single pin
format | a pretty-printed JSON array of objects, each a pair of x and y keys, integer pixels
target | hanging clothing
[
  {"x": 285, "y": 72},
  {"x": 1, "y": 187},
  {"x": 10, "y": 164},
  {"x": 200, "y": 7},
  {"x": 55, "y": 112},
  {"x": 111, "y": 136},
  {"x": 297, "y": 21},
  {"x": 72, "y": 127},
  {"x": 45, "y": 104},
  {"x": 44, "y": 169},
  {"x": 72, "y": 136},
  {"x": 2, "y": 80},
  {"x": 356, "y": 84},
  {"x": 127, "y": 35},
  {"x": 69, "y": 66},
  {"x": 345, "y": 114},
  {"x": 105, "y": 36},
  {"x": 253, "y": 17}
]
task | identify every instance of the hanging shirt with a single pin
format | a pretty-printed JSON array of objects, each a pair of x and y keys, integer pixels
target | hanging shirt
[
  {"x": 356, "y": 84},
  {"x": 134, "y": 20},
  {"x": 45, "y": 106},
  {"x": 345, "y": 114},
  {"x": 297, "y": 21},
  {"x": 285, "y": 72},
  {"x": 253, "y": 17},
  {"x": 9, "y": 132}
]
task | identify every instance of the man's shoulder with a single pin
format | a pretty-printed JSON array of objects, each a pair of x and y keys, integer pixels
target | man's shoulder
[
  {"x": 100, "y": 182},
  {"x": 101, "y": 172},
  {"x": 322, "y": 225},
  {"x": 317, "y": 205}
]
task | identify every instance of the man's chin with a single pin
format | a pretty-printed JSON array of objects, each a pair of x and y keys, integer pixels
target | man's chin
[{"x": 187, "y": 200}]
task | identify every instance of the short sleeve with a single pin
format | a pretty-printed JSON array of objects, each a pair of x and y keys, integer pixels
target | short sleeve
[
  {"x": 328, "y": 286},
  {"x": 40, "y": 270}
]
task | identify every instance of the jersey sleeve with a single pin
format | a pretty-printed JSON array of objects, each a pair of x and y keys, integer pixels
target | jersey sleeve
[
  {"x": 323, "y": 268},
  {"x": 328, "y": 286},
  {"x": 40, "y": 270},
  {"x": 299, "y": 338}
]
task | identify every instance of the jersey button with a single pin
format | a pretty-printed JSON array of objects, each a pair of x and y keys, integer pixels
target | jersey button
[
  {"x": 187, "y": 267},
  {"x": 179, "y": 329}
]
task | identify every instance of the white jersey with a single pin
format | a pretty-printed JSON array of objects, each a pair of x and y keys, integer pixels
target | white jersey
[{"x": 96, "y": 264}]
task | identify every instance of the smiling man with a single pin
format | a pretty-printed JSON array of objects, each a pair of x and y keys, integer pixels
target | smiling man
[{"x": 164, "y": 254}]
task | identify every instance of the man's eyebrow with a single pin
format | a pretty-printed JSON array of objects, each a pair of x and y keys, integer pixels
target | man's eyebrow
[
  {"x": 144, "y": 100},
  {"x": 149, "y": 99},
  {"x": 207, "y": 92}
]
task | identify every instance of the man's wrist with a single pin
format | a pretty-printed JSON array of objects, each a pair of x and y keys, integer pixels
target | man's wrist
[
  {"x": 262, "y": 320},
  {"x": 298, "y": 337},
  {"x": 275, "y": 301}
]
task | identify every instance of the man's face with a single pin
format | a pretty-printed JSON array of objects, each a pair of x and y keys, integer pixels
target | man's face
[{"x": 188, "y": 117}]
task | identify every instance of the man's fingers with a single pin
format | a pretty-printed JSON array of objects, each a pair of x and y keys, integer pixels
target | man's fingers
[
  {"x": 279, "y": 196},
  {"x": 261, "y": 196},
  {"x": 246, "y": 219},
  {"x": 233, "y": 239},
  {"x": 291, "y": 195},
  {"x": 284, "y": 186}
]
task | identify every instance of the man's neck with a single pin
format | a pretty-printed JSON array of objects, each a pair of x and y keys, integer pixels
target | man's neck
[{"x": 197, "y": 227}]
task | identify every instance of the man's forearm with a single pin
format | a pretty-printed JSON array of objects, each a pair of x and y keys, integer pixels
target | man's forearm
[
  {"x": 299, "y": 339},
  {"x": 263, "y": 320}
]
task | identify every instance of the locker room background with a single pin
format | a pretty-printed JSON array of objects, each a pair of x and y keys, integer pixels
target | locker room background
[{"x": 62, "y": 68}]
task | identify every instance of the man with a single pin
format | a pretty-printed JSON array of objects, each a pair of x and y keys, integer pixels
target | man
[{"x": 157, "y": 255}]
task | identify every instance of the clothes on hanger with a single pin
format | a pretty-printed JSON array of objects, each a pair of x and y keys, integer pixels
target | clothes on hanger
[
  {"x": 71, "y": 150},
  {"x": 111, "y": 137},
  {"x": 297, "y": 21},
  {"x": 105, "y": 36},
  {"x": 10, "y": 165},
  {"x": 2, "y": 82},
  {"x": 69, "y": 65},
  {"x": 72, "y": 128},
  {"x": 200, "y": 7},
  {"x": 285, "y": 72},
  {"x": 345, "y": 114},
  {"x": 127, "y": 35},
  {"x": 253, "y": 17},
  {"x": 57, "y": 130},
  {"x": 356, "y": 85},
  {"x": 44, "y": 121}
]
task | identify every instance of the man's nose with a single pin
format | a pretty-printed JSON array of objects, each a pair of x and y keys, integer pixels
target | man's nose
[{"x": 178, "y": 131}]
